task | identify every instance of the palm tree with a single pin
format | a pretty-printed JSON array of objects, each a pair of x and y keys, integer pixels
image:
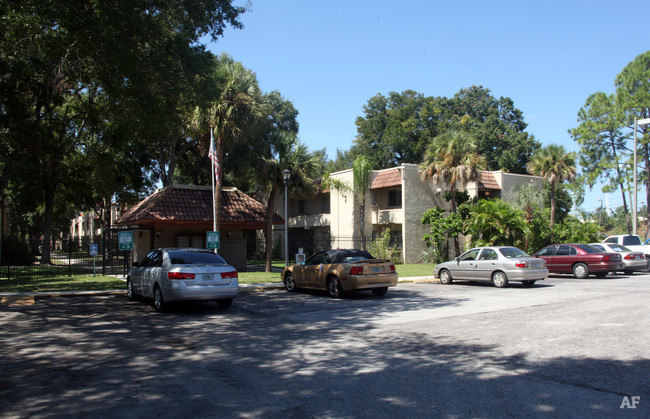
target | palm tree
[
  {"x": 274, "y": 153},
  {"x": 361, "y": 172},
  {"x": 237, "y": 108},
  {"x": 555, "y": 165},
  {"x": 452, "y": 157}
]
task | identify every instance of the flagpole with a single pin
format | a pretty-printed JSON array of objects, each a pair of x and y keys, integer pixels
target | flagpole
[{"x": 214, "y": 198}]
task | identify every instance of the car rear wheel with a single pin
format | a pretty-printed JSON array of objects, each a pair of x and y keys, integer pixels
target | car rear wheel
[
  {"x": 445, "y": 277},
  {"x": 290, "y": 283},
  {"x": 580, "y": 270},
  {"x": 158, "y": 300},
  {"x": 528, "y": 284},
  {"x": 380, "y": 291},
  {"x": 499, "y": 279},
  {"x": 224, "y": 303},
  {"x": 334, "y": 289},
  {"x": 129, "y": 290}
]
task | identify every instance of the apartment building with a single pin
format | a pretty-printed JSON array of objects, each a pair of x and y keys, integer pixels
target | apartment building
[{"x": 396, "y": 199}]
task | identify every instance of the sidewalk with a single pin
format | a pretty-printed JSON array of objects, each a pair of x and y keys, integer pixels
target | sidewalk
[{"x": 22, "y": 298}]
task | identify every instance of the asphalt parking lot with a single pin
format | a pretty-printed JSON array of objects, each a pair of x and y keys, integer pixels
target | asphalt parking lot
[{"x": 564, "y": 348}]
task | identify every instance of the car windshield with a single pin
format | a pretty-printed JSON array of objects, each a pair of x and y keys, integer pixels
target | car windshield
[
  {"x": 512, "y": 252},
  {"x": 588, "y": 249},
  {"x": 189, "y": 257}
]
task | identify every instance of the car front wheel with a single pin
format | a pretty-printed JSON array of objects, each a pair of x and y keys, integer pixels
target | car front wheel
[
  {"x": 580, "y": 270},
  {"x": 445, "y": 277},
  {"x": 499, "y": 279},
  {"x": 290, "y": 283}
]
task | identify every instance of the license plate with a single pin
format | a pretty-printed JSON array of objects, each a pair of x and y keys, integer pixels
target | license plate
[
  {"x": 206, "y": 277},
  {"x": 377, "y": 269}
]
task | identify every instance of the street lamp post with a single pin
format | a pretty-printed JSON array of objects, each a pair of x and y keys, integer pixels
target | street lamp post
[
  {"x": 286, "y": 175},
  {"x": 645, "y": 121}
]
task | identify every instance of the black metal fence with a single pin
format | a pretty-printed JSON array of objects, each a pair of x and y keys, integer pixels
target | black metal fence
[
  {"x": 68, "y": 257},
  {"x": 72, "y": 257}
]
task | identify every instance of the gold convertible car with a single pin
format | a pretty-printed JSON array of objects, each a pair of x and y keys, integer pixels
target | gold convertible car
[{"x": 341, "y": 270}]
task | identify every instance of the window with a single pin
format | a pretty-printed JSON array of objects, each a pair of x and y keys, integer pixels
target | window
[
  {"x": 190, "y": 241},
  {"x": 489, "y": 254},
  {"x": 395, "y": 198},
  {"x": 156, "y": 259},
  {"x": 631, "y": 240},
  {"x": 469, "y": 255},
  {"x": 547, "y": 251},
  {"x": 563, "y": 251},
  {"x": 302, "y": 207},
  {"x": 325, "y": 205}
]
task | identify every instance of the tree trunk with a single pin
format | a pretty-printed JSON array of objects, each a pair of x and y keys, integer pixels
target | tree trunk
[
  {"x": 46, "y": 258},
  {"x": 454, "y": 209},
  {"x": 552, "y": 208},
  {"x": 269, "y": 225},
  {"x": 362, "y": 220}
]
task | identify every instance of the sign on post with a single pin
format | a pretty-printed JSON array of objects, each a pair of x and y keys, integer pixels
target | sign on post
[
  {"x": 93, "y": 250},
  {"x": 212, "y": 240},
  {"x": 125, "y": 240}
]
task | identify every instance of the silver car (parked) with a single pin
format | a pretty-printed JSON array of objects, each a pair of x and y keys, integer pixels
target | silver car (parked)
[
  {"x": 497, "y": 264},
  {"x": 183, "y": 274}
]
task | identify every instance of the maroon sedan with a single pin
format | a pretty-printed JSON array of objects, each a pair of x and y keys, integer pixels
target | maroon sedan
[{"x": 580, "y": 260}]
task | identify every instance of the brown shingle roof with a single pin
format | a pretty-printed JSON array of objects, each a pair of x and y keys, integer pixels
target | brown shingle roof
[
  {"x": 178, "y": 204},
  {"x": 387, "y": 178},
  {"x": 487, "y": 181}
]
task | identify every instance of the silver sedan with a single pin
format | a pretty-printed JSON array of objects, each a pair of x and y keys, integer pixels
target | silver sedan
[
  {"x": 167, "y": 275},
  {"x": 497, "y": 264},
  {"x": 632, "y": 261}
]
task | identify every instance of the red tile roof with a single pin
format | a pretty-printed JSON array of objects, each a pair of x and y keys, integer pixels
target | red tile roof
[
  {"x": 179, "y": 204},
  {"x": 387, "y": 178},
  {"x": 487, "y": 181}
]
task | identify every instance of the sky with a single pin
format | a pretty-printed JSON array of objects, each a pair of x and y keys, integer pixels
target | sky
[{"x": 330, "y": 57}]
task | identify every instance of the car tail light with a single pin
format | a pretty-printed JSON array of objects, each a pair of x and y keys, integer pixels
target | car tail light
[
  {"x": 606, "y": 258},
  {"x": 392, "y": 269},
  {"x": 356, "y": 270},
  {"x": 521, "y": 264},
  {"x": 231, "y": 274},
  {"x": 180, "y": 275}
]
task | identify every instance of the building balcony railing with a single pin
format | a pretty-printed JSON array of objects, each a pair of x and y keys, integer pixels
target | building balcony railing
[
  {"x": 309, "y": 221},
  {"x": 388, "y": 216}
]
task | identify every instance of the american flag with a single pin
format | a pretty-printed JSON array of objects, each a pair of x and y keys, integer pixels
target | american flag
[{"x": 215, "y": 158}]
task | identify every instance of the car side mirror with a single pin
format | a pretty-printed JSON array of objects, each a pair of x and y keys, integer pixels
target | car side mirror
[{"x": 135, "y": 264}]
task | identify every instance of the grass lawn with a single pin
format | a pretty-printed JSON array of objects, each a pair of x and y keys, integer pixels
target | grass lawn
[{"x": 88, "y": 283}]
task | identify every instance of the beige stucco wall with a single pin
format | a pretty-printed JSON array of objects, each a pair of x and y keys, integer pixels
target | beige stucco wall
[
  {"x": 510, "y": 181},
  {"x": 344, "y": 214}
]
